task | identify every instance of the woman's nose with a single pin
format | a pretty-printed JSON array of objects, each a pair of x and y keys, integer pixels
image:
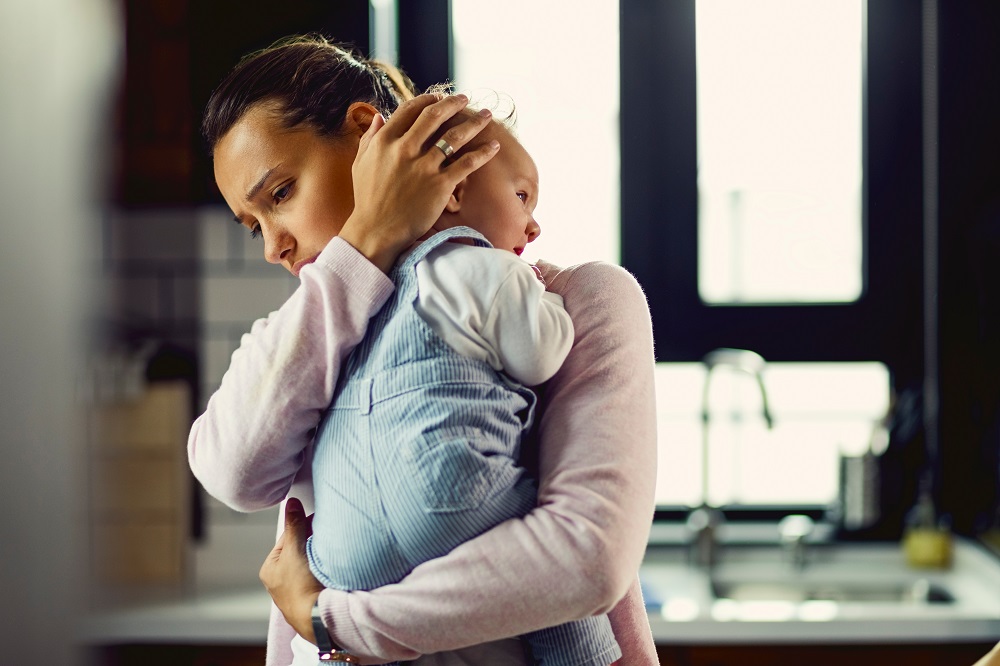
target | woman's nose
[
  {"x": 277, "y": 245},
  {"x": 533, "y": 230}
]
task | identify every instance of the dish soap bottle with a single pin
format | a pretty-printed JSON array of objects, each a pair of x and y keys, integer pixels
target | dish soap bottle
[{"x": 927, "y": 540}]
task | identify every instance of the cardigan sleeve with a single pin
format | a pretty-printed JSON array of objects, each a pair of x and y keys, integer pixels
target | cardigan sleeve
[
  {"x": 578, "y": 552},
  {"x": 248, "y": 445}
]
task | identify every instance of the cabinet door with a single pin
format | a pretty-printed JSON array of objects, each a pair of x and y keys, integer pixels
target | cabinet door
[{"x": 177, "y": 655}]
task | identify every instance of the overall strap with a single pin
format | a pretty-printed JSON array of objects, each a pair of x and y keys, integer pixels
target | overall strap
[{"x": 437, "y": 239}]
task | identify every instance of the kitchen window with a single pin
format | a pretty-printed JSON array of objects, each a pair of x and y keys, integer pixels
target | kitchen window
[
  {"x": 772, "y": 202},
  {"x": 814, "y": 264},
  {"x": 779, "y": 129}
]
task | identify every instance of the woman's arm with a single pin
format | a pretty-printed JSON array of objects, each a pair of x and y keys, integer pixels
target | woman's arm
[
  {"x": 578, "y": 553},
  {"x": 248, "y": 445}
]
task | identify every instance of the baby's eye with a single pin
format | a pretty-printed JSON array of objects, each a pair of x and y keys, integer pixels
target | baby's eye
[
  {"x": 523, "y": 196},
  {"x": 281, "y": 193}
]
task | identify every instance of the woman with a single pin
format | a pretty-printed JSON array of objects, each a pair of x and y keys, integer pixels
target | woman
[{"x": 306, "y": 110}]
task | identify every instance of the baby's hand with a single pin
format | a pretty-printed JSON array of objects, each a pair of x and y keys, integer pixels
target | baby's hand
[{"x": 538, "y": 274}]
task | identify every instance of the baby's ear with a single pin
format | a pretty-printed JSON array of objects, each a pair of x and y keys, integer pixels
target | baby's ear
[{"x": 456, "y": 198}]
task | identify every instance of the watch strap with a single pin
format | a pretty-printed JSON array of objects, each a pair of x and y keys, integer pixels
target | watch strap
[{"x": 328, "y": 651}]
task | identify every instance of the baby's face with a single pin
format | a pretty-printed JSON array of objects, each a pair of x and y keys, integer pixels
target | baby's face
[{"x": 498, "y": 200}]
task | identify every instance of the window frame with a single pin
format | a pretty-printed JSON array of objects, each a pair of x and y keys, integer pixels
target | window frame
[{"x": 659, "y": 174}]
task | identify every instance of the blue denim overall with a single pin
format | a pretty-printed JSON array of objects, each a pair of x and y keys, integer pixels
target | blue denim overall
[{"x": 418, "y": 454}]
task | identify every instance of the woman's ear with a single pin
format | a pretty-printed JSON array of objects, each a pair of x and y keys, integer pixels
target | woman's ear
[{"x": 359, "y": 117}]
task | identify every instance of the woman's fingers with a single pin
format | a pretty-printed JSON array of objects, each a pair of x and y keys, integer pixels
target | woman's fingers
[
  {"x": 427, "y": 125},
  {"x": 417, "y": 121},
  {"x": 378, "y": 122},
  {"x": 406, "y": 113},
  {"x": 429, "y": 122},
  {"x": 460, "y": 169},
  {"x": 455, "y": 138}
]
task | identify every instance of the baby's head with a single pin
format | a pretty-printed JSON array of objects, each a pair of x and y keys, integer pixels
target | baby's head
[{"x": 497, "y": 200}]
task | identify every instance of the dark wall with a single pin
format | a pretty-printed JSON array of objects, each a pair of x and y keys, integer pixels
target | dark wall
[
  {"x": 176, "y": 51},
  {"x": 970, "y": 258}
]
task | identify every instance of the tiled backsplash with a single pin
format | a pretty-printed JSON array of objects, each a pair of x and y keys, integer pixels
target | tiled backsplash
[
  {"x": 194, "y": 279},
  {"x": 237, "y": 287}
]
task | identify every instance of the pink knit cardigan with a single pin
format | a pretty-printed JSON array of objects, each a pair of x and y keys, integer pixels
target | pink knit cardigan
[{"x": 576, "y": 554}]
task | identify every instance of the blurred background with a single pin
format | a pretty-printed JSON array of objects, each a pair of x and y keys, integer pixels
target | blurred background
[{"x": 813, "y": 180}]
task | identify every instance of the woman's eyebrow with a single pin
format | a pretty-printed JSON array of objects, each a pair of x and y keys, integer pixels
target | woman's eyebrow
[{"x": 259, "y": 185}]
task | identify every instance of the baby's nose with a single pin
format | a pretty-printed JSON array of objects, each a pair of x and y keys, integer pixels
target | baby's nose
[{"x": 533, "y": 230}]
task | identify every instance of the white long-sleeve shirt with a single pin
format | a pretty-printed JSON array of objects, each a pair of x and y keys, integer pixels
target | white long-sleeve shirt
[{"x": 491, "y": 305}]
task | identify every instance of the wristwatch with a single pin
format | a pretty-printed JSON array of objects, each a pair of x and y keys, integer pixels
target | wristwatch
[{"x": 328, "y": 651}]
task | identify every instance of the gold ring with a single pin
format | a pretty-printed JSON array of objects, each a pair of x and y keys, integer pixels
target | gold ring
[{"x": 444, "y": 147}]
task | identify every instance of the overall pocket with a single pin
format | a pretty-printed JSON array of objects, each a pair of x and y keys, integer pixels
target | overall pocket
[{"x": 449, "y": 470}]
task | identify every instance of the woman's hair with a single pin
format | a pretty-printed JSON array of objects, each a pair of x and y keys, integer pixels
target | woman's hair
[{"x": 311, "y": 81}]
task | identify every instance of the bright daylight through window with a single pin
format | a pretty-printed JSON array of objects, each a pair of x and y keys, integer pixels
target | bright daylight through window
[
  {"x": 779, "y": 116},
  {"x": 780, "y": 150},
  {"x": 559, "y": 65}
]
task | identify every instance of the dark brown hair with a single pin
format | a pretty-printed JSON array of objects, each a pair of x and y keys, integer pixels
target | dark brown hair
[{"x": 311, "y": 80}]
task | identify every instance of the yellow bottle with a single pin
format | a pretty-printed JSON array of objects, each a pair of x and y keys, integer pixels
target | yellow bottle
[{"x": 926, "y": 541}]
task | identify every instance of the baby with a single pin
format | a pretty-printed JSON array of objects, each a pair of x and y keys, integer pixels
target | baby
[{"x": 419, "y": 450}]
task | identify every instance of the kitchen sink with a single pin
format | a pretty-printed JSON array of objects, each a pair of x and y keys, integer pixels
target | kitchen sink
[
  {"x": 920, "y": 591},
  {"x": 845, "y": 592}
]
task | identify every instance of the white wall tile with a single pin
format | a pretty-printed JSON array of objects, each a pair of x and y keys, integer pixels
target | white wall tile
[
  {"x": 214, "y": 224},
  {"x": 153, "y": 235},
  {"x": 138, "y": 298},
  {"x": 241, "y": 299},
  {"x": 232, "y": 553}
]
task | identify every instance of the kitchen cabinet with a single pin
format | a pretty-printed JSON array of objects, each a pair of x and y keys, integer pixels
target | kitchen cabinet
[
  {"x": 728, "y": 655},
  {"x": 139, "y": 487},
  {"x": 177, "y": 655}
]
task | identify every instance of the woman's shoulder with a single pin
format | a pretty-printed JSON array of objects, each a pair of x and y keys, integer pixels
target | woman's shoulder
[{"x": 593, "y": 280}]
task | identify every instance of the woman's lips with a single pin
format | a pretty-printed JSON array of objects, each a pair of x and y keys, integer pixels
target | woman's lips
[{"x": 299, "y": 265}]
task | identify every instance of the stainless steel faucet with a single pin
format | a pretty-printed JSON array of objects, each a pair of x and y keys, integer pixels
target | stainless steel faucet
[
  {"x": 703, "y": 523},
  {"x": 794, "y": 531}
]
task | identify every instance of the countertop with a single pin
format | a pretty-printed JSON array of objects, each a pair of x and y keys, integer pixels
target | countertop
[
  {"x": 239, "y": 616},
  {"x": 220, "y": 616}
]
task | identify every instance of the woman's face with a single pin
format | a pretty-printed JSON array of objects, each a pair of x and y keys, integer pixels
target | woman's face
[{"x": 291, "y": 187}]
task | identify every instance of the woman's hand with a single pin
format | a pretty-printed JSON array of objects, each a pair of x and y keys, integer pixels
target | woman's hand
[
  {"x": 402, "y": 182},
  {"x": 286, "y": 575}
]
